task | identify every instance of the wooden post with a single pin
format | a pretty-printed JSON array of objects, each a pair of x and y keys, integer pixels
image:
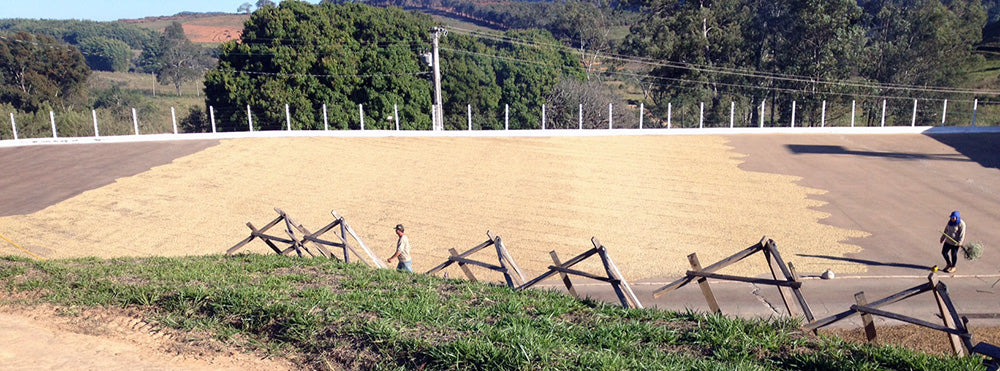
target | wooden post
[
  {"x": 629, "y": 300},
  {"x": 947, "y": 315},
  {"x": 468, "y": 272},
  {"x": 790, "y": 275},
  {"x": 503, "y": 266},
  {"x": 865, "y": 317},
  {"x": 343, "y": 236},
  {"x": 565, "y": 277},
  {"x": 703, "y": 282},
  {"x": 510, "y": 260},
  {"x": 782, "y": 290}
]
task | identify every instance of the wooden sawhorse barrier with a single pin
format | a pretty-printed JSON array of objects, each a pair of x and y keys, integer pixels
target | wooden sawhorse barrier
[
  {"x": 511, "y": 272},
  {"x": 298, "y": 245},
  {"x": 789, "y": 282},
  {"x": 958, "y": 334},
  {"x": 614, "y": 276}
]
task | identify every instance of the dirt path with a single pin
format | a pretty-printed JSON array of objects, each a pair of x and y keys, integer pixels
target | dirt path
[{"x": 102, "y": 339}]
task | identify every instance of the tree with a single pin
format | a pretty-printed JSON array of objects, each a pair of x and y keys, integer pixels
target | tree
[
  {"x": 106, "y": 54},
  {"x": 265, "y": 4},
  {"x": 37, "y": 70},
  {"x": 308, "y": 56},
  {"x": 179, "y": 60},
  {"x": 245, "y": 8}
]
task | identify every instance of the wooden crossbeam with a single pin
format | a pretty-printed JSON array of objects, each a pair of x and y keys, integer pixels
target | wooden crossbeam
[
  {"x": 305, "y": 231},
  {"x": 252, "y": 236},
  {"x": 567, "y": 264},
  {"x": 582, "y": 274},
  {"x": 506, "y": 260},
  {"x": 614, "y": 273},
  {"x": 462, "y": 255},
  {"x": 866, "y": 318},
  {"x": 908, "y": 319},
  {"x": 789, "y": 272},
  {"x": 709, "y": 269},
  {"x": 371, "y": 255},
  {"x": 706, "y": 290},
  {"x": 812, "y": 326},
  {"x": 761, "y": 281},
  {"x": 461, "y": 264},
  {"x": 461, "y": 260}
]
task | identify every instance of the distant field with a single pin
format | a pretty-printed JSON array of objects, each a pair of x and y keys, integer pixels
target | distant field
[{"x": 206, "y": 29}]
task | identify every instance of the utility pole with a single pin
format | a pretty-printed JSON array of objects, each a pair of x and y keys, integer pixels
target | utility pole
[{"x": 438, "y": 119}]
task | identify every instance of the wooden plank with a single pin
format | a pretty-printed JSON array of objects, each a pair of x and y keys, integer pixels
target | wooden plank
[
  {"x": 305, "y": 232},
  {"x": 759, "y": 281},
  {"x": 907, "y": 319},
  {"x": 949, "y": 317},
  {"x": 371, "y": 255},
  {"x": 510, "y": 260},
  {"x": 812, "y": 326},
  {"x": 468, "y": 272},
  {"x": 565, "y": 277},
  {"x": 464, "y": 254},
  {"x": 326, "y": 228},
  {"x": 712, "y": 268},
  {"x": 460, "y": 260},
  {"x": 783, "y": 291},
  {"x": 706, "y": 290},
  {"x": 567, "y": 264},
  {"x": 324, "y": 242},
  {"x": 617, "y": 274},
  {"x": 987, "y": 349},
  {"x": 248, "y": 239},
  {"x": 959, "y": 322},
  {"x": 582, "y": 274},
  {"x": 298, "y": 244},
  {"x": 503, "y": 267},
  {"x": 870, "y": 333},
  {"x": 256, "y": 233},
  {"x": 798, "y": 294}
]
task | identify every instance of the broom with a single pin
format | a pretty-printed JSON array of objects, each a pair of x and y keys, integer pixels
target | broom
[{"x": 971, "y": 251}]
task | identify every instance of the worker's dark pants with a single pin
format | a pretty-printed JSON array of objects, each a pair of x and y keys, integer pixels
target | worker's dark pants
[{"x": 950, "y": 253}]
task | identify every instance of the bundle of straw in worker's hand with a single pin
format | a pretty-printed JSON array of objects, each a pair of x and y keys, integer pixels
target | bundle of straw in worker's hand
[{"x": 972, "y": 250}]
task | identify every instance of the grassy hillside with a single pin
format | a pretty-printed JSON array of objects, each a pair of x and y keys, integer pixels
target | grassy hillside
[{"x": 324, "y": 314}]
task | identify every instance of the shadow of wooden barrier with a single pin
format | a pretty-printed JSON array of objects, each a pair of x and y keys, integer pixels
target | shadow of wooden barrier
[
  {"x": 788, "y": 286},
  {"x": 614, "y": 276},
  {"x": 958, "y": 335},
  {"x": 511, "y": 272},
  {"x": 310, "y": 239}
]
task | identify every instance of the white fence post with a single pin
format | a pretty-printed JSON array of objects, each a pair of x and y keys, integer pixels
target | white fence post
[
  {"x": 913, "y": 120},
  {"x": 211, "y": 116},
  {"x": 13, "y": 125},
  {"x": 93, "y": 113},
  {"x": 853, "y": 105},
  {"x": 361, "y": 113},
  {"x": 288, "y": 118},
  {"x": 610, "y": 115},
  {"x": 883, "y": 113},
  {"x": 762, "y": 112},
  {"x": 326, "y": 122},
  {"x": 701, "y": 115},
  {"x": 975, "y": 107},
  {"x": 395, "y": 114},
  {"x": 642, "y": 109},
  {"x": 135, "y": 122},
  {"x": 52, "y": 119},
  {"x": 669, "y": 107},
  {"x": 506, "y": 116},
  {"x": 732, "y": 112},
  {"x": 944, "y": 112},
  {"x": 468, "y": 115},
  {"x": 543, "y": 117},
  {"x": 822, "y": 119},
  {"x": 434, "y": 118},
  {"x": 249, "y": 119},
  {"x": 173, "y": 118},
  {"x": 793, "y": 113},
  {"x": 579, "y": 116}
]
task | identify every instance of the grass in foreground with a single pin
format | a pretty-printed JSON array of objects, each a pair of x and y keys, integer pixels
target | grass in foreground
[{"x": 325, "y": 314}]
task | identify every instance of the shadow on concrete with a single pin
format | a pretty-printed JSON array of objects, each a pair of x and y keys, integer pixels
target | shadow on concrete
[
  {"x": 840, "y": 150},
  {"x": 983, "y": 148},
  {"x": 869, "y": 262}
]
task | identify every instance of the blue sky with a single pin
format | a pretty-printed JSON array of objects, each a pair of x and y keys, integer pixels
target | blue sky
[{"x": 110, "y": 10}]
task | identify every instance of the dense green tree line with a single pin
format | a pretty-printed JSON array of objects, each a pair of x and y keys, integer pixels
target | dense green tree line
[
  {"x": 720, "y": 50},
  {"x": 36, "y": 71},
  {"x": 104, "y": 44},
  {"x": 348, "y": 55}
]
